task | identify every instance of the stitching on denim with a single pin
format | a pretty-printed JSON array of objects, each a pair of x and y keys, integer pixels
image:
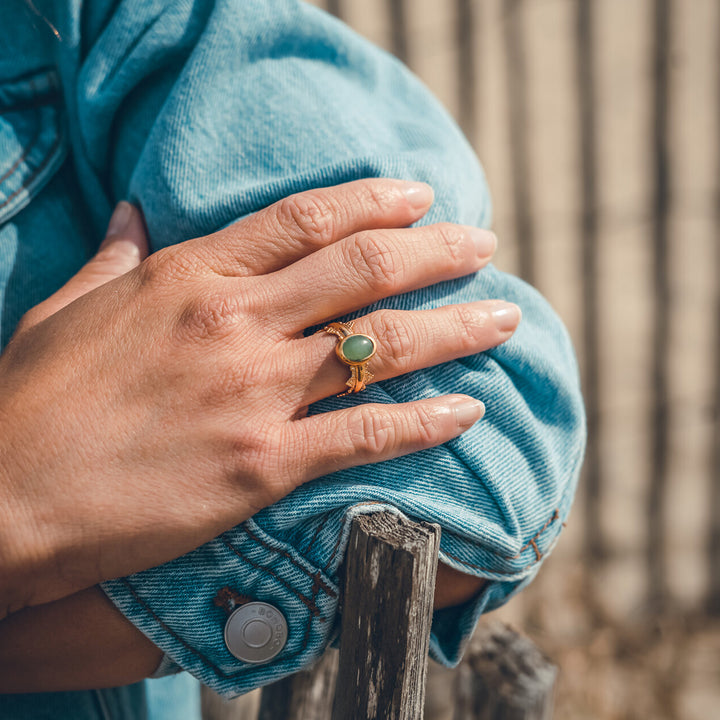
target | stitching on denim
[
  {"x": 26, "y": 151},
  {"x": 319, "y": 528},
  {"x": 531, "y": 543},
  {"x": 333, "y": 553},
  {"x": 538, "y": 554},
  {"x": 167, "y": 628},
  {"x": 486, "y": 569},
  {"x": 48, "y": 157},
  {"x": 229, "y": 599},
  {"x": 201, "y": 655},
  {"x": 309, "y": 603},
  {"x": 287, "y": 555},
  {"x": 470, "y": 541},
  {"x": 555, "y": 516}
]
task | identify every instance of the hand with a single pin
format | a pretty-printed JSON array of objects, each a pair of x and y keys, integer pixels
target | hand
[{"x": 144, "y": 415}]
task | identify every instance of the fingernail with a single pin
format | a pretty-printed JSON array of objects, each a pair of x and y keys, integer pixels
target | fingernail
[
  {"x": 506, "y": 316},
  {"x": 418, "y": 194},
  {"x": 120, "y": 219},
  {"x": 467, "y": 410},
  {"x": 485, "y": 241}
]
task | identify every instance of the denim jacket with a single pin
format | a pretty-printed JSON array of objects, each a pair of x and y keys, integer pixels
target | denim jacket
[{"x": 202, "y": 112}]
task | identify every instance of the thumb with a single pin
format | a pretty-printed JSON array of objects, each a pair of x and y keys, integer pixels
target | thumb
[{"x": 124, "y": 247}]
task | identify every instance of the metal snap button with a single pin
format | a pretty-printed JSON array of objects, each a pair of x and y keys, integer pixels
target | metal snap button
[{"x": 256, "y": 632}]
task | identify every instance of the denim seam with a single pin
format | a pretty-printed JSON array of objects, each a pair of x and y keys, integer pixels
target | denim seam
[
  {"x": 28, "y": 181},
  {"x": 486, "y": 569},
  {"x": 333, "y": 553},
  {"x": 555, "y": 516},
  {"x": 313, "y": 576},
  {"x": 26, "y": 150},
  {"x": 320, "y": 526},
  {"x": 165, "y": 626},
  {"x": 309, "y": 603},
  {"x": 200, "y": 654},
  {"x": 532, "y": 542}
]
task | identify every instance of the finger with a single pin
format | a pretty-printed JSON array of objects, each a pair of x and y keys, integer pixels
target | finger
[
  {"x": 407, "y": 341},
  {"x": 124, "y": 247},
  {"x": 301, "y": 224},
  {"x": 369, "y": 266},
  {"x": 374, "y": 432}
]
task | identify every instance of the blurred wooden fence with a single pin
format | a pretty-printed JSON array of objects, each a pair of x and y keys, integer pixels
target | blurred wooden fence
[{"x": 597, "y": 124}]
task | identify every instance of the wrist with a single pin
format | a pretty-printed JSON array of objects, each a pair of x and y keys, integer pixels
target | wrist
[
  {"x": 20, "y": 550},
  {"x": 13, "y": 549}
]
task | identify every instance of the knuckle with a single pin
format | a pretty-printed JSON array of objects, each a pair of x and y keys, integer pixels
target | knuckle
[
  {"x": 212, "y": 317},
  {"x": 453, "y": 242},
  {"x": 255, "y": 449},
  {"x": 427, "y": 426},
  {"x": 31, "y": 318},
  {"x": 308, "y": 216},
  {"x": 371, "y": 431},
  {"x": 168, "y": 265},
  {"x": 396, "y": 338},
  {"x": 256, "y": 456},
  {"x": 376, "y": 262},
  {"x": 376, "y": 195},
  {"x": 470, "y": 326}
]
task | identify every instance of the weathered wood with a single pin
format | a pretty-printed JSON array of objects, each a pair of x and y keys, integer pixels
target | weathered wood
[
  {"x": 387, "y": 610},
  {"x": 214, "y": 707},
  {"x": 516, "y": 62},
  {"x": 334, "y": 7},
  {"x": 504, "y": 677},
  {"x": 659, "y": 411},
  {"x": 307, "y": 695},
  {"x": 466, "y": 66},
  {"x": 713, "y": 547},
  {"x": 592, "y": 480},
  {"x": 398, "y": 17}
]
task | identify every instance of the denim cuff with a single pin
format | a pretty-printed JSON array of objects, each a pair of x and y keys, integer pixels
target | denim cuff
[{"x": 181, "y": 606}]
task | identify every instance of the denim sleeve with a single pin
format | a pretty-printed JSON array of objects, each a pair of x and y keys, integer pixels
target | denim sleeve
[{"x": 205, "y": 111}]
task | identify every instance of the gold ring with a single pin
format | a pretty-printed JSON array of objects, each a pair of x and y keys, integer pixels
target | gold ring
[{"x": 355, "y": 350}]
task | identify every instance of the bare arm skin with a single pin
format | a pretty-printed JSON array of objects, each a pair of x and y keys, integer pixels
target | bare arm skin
[
  {"x": 76, "y": 643},
  {"x": 83, "y": 641}
]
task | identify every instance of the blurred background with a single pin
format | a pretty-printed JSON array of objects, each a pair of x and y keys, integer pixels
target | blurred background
[{"x": 597, "y": 124}]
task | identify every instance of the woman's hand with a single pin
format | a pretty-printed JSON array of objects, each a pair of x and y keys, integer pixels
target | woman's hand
[{"x": 162, "y": 407}]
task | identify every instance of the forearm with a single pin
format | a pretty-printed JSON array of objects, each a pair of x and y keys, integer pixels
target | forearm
[
  {"x": 19, "y": 554},
  {"x": 75, "y": 643},
  {"x": 83, "y": 641}
]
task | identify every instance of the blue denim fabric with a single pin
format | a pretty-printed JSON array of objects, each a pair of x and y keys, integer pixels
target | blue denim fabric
[
  {"x": 173, "y": 698},
  {"x": 124, "y": 703},
  {"x": 202, "y": 112}
]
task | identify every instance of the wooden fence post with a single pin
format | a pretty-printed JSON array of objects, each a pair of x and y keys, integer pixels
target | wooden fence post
[
  {"x": 504, "y": 677},
  {"x": 306, "y": 695},
  {"x": 387, "y": 611}
]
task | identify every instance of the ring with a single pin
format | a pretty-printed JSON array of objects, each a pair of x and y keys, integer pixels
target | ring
[{"x": 355, "y": 350}]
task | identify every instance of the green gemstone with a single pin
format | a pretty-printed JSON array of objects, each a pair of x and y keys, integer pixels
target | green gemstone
[{"x": 357, "y": 348}]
